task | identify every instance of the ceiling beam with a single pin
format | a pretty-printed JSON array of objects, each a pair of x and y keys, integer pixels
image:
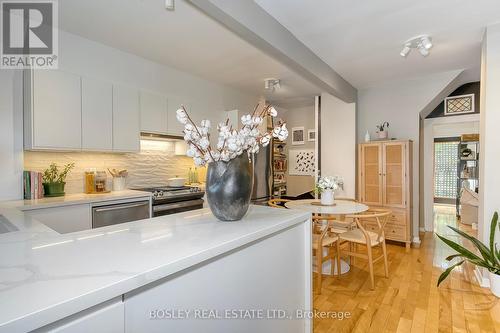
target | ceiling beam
[{"x": 252, "y": 23}]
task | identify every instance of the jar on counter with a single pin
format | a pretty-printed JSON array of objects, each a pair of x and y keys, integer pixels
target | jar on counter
[
  {"x": 100, "y": 181},
  {"x": 89, "y": 180}
]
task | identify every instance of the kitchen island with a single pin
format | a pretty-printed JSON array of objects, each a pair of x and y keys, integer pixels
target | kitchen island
[{"x": 186, "y": 272}]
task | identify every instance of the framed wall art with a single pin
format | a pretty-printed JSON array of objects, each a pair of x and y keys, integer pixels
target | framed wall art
[{"x": 298, "y": 135}]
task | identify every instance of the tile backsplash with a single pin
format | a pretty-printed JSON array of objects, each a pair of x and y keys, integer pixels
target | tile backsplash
[{"x": 152, "y": 166}]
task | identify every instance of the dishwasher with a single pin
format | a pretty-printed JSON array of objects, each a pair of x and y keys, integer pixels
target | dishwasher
[{"x": 120, "y": 213}]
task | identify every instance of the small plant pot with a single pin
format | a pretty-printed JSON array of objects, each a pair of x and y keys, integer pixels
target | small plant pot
[
  {"x": 327, "y": 197},
  {"x": 383, "y": 134},
  {"x": 495, "y": 284},
  {"x": 53, "y": 189}
]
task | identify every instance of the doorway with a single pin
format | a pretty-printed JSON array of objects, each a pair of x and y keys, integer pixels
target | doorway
[{"x": 446, "y": 170}]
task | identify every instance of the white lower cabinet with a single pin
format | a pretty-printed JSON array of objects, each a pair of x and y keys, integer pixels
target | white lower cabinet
[
  {"x": 64, "y": 219},
  {"x": 106, "y": 317}
]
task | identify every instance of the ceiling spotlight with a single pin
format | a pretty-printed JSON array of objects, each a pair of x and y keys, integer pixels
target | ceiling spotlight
[
  {"x": 423, "y": 51},
  {"x": 272, "y": 84},
  {"x": 422, "y": 43},
  {"x": 404, "y": 52},
  {"x": 170, "y": 4},
  {"x": 426, "y": 42}
]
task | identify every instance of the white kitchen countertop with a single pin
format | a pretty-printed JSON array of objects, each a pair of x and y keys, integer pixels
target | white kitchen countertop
[
  {"x": 73, "y": 199},
  {"x": 46, "y": 276}
]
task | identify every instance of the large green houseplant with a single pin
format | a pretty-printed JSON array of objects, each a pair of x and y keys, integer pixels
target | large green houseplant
[
  {"x": 54, "y": 181},
  {"x": 489, "y": 257}
]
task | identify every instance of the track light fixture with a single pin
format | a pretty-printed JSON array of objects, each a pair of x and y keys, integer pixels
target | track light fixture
[{"x": 422, "y": 43}]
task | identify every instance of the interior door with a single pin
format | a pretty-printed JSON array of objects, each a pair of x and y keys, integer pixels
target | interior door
[
  {"x": 394, "y": 174},
  {"x": 371, "y": 174}
]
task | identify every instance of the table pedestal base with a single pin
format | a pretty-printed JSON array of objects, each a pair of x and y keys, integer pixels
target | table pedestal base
[{"x": 344, "y": 267}]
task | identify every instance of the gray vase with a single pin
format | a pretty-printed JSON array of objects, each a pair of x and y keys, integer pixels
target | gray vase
[{"x": 229, "y": 188}]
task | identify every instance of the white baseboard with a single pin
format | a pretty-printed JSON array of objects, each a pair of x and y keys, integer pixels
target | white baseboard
[
  {"x": 416, "y": 241},
  {"x": 481, "y": 279},
  {"x": 422, "y": 229}
]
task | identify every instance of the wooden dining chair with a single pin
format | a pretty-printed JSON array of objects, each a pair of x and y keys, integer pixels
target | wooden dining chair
[
  {"x": 375, "y": 220},
  {"x": 277, "y": 203},
  {"x": 324, "y": 239}
]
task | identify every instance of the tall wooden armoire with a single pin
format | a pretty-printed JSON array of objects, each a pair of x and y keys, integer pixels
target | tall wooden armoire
[{"x": 385, "y": 181}]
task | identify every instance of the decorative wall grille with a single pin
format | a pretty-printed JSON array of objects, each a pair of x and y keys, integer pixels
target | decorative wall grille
[{"x": 459, "y": 104}]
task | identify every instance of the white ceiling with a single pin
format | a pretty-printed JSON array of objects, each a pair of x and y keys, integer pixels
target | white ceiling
[
  {"x": 185, "y": 39},
  {"x": 361, "y": 40}
]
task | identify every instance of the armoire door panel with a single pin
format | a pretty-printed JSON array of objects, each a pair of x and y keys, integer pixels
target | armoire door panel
[
  {"x": 394, "y": 174},
  {"x": 371, "y": 184}
]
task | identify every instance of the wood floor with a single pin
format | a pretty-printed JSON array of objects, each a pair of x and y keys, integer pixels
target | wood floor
[{"x": 409, "y": 301}]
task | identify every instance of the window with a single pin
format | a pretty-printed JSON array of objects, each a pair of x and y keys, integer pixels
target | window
[{"x": 445, "y": 170}]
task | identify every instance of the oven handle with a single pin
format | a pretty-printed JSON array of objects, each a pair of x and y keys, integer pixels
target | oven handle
[{"x": 175, "y": 205}]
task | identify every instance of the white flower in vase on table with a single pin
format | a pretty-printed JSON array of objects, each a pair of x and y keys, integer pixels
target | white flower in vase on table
[{"x": 327, "y": 186}]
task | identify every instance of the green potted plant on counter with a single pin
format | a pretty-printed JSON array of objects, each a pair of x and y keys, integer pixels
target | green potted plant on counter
[
  {"x": 54, "y": 181},
  {"x": 488, "y": 258}
]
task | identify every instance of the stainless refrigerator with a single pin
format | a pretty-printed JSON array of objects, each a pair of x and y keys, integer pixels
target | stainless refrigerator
[{"x": 262, "y": 174}]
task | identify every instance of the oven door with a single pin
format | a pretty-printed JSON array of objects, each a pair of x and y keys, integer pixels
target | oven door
[{"x": 177, "y": 207}]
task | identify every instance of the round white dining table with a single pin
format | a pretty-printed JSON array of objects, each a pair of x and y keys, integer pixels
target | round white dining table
[{"x": 340, "y": 207}]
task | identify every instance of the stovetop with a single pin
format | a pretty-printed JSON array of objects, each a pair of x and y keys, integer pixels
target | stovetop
[{"x": 166, "y": 192}]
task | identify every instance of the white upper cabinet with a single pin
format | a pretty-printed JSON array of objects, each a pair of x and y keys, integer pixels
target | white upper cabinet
[
  {"x": 126, "y": 119},
  {"x": 52, "y": 110},
  {"x": 97, "y": 115},
  {"x": 153, "y": 112},
  {"x": 174, "y": 103}
]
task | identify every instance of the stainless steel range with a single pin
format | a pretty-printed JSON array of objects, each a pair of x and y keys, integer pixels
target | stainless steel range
[{"x": 170, "y": 200}]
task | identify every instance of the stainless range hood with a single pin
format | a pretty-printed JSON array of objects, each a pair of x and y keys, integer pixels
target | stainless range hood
[
  {"x": 177, "y": 140},
  {"x": 161, "y": 137}
]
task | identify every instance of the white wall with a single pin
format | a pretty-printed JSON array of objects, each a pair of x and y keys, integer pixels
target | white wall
[
  {"x": 400, "y": 104},
  {"x": 489, "y": 159},
  {"x": 338, "y": 141},
  {"x": 440, "y": 128},
  {"x": 300, "y": 117},
  {"x": 11, "y": 160}
]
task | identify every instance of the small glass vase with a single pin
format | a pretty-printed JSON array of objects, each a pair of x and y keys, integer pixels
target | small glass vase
[{"x": 327, "y": 197}]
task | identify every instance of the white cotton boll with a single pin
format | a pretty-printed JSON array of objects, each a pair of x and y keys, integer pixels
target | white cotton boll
[
  {"x": 205, "y": 123},
  {"x": 188, "y": 127},
  {"x": 246, "y": 119},
  {"x": 264, "y": 141},
  {"x": 191, "y": 152},
  {"x": 220, "y": 143},
  {"x": 181, "y": 116},
  {"x": 276, "y": 131},
  {"x": 216, "y": 155},
  {"x": 232, "y": 146},
  {"x": 254, "y": 132},
  {"x": 273, "y": 112},
  {"x": 204, "y": 130},
  {"x": 257, "y": 120},
  {"x": 204, "y": 143},
  {"x": 199, "y": 161}
]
